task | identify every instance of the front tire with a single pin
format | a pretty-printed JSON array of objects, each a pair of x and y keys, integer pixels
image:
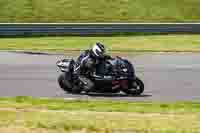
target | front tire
[
  {"x": 64, "y": 84},
  {"x": 136, "y": 87}
]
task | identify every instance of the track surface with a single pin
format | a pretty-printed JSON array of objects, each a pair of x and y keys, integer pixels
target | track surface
[{"x": 167, "y": 77}]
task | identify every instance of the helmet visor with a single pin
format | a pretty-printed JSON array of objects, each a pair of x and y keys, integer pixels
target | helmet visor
[{"x": 100, "y": 53}]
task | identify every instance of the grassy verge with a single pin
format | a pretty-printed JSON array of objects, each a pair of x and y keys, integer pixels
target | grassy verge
[
  {"x": 99, "y": 11},
  {"x": 86, "y": 122},
  {"x": 150, "y": 43},
  {"x": 27, "y": 114}
]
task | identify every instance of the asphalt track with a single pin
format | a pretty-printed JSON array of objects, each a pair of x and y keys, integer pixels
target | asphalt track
[{"x": 167, "y": 76}]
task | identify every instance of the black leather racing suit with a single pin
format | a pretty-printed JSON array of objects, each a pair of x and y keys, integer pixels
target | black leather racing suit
[
  {"x": 85, "y": 63},
  {"x": 85, "y": 66}
]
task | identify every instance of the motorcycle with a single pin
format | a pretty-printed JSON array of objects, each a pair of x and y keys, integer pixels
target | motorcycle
[{"x": 111, "y": 76}]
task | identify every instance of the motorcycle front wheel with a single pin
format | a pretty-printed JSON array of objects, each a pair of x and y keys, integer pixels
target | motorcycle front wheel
[
  {"x": 64, "y": 84},
  {"x": 136, "y": 87}
]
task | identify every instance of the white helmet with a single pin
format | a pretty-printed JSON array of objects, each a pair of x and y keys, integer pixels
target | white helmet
[{"x": 98, "y": 49}]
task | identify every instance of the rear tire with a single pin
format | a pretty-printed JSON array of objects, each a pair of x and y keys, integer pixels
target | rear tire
[
  {"x": 136, "y": 87},
  {"x": 64, "y": 84}
]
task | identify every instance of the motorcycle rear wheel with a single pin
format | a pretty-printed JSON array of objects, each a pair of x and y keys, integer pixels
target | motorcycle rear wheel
[{"x": 136, "y": 88}]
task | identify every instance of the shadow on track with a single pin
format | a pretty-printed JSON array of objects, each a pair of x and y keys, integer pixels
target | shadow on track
[
  {"x": 115, "y": 95},
  {"x": 102, "y": 95}
]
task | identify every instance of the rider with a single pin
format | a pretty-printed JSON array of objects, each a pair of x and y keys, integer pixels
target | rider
[{"x": 87, "y": 62}]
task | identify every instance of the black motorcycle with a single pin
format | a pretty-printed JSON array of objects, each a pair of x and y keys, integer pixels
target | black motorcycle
[{"x": 111, "y": 76}]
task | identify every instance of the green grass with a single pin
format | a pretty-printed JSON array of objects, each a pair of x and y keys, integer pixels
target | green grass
[
  {"x": 27, "y": 114},
  {"x": 100, "y": 106},
  {"x": 99, "y": 11},
  {"x": 92, "y": 122},
  {"x": 144, "y": 43}
]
